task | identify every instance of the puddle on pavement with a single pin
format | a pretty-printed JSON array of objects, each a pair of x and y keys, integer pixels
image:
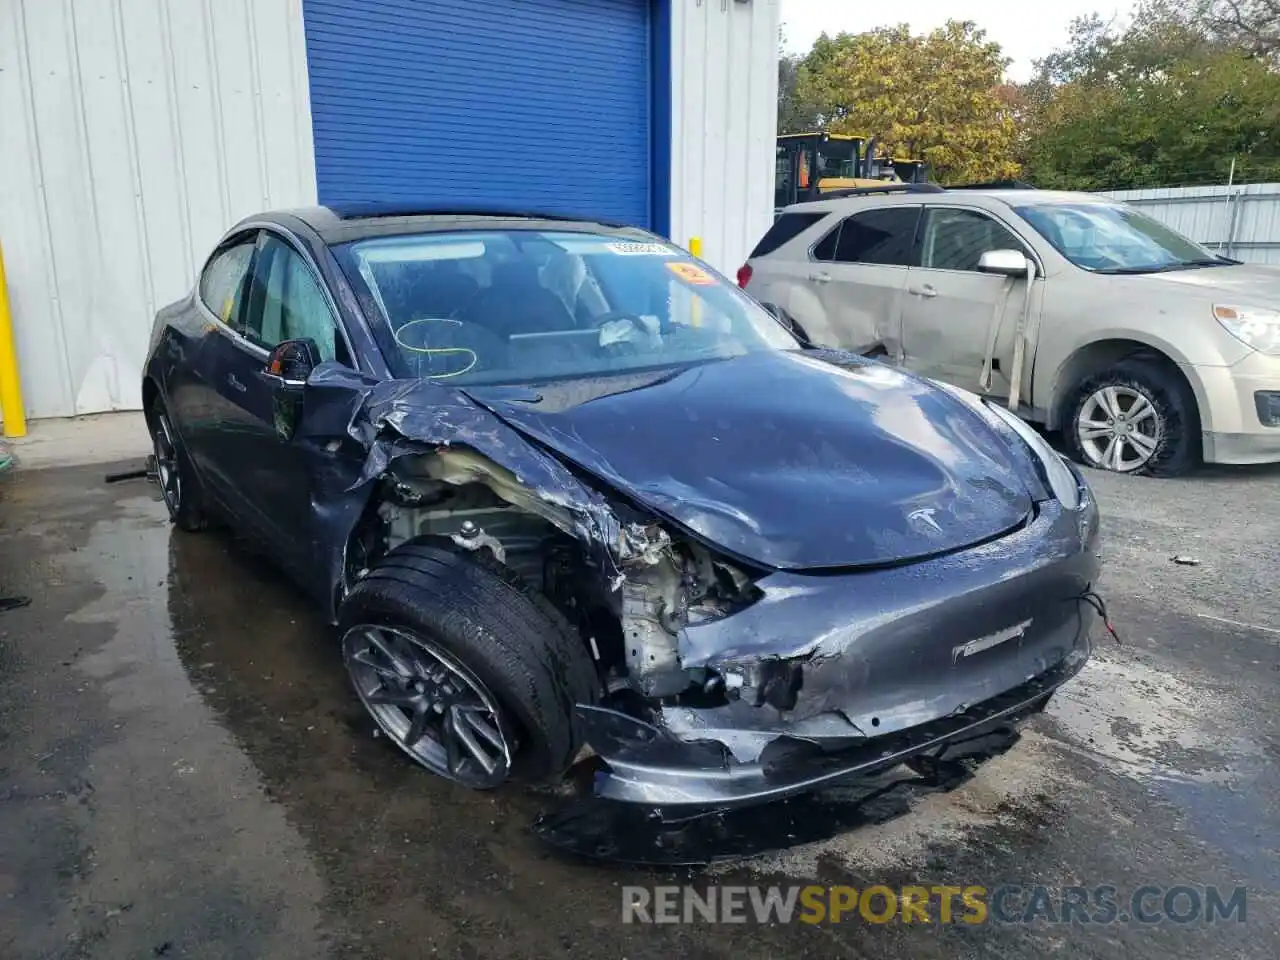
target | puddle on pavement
[
  {"x": 177, "y": 803},
  {"x": 288, "y": 693},
  {"x": 244, "y": 801},
  {"x": 1144, "y": 722},
  {"x": 1185, "y": 742}
]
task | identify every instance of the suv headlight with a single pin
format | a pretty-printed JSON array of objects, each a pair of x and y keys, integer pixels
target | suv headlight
[
  {"x": 1257, "y": 327},
  {"x": 1061, "y": 480}
]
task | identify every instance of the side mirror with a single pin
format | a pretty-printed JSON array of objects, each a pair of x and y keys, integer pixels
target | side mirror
[
  {"x": 1007, "y": 263},
  {"x": 292, "y": 361},
  {"x": 288, "y": 367}
]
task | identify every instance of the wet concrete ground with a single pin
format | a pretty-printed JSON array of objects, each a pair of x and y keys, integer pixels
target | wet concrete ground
[{"x": 184, "y": 773}]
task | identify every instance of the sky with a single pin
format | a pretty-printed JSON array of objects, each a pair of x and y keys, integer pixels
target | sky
[{"x": 1024, "y": 32}]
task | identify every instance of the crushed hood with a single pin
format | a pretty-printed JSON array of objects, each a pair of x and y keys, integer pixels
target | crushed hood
[{"x": 790, "y": 460}]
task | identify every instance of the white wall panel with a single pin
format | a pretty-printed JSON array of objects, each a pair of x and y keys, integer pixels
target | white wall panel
[
  {"x": 724, "y": 89},
  {"x": 132, "y": 134}
]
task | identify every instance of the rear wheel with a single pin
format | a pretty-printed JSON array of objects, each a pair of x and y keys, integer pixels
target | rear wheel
[
  {"x": 178, "y": 486},
  {"x": 470, "y": 672},
  {"x": 1137, "y": 417}
]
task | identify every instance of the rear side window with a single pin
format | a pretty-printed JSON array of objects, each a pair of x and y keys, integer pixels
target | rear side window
[
  {"x": 786, "y": 228},
  {"x": 883, "y": 236},
  {"x": 223, "y": 280}
]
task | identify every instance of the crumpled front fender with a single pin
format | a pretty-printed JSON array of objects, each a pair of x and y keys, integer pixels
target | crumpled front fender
[{"x": 366, "y": 425}]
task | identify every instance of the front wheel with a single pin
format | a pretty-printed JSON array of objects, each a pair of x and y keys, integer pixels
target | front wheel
[
  {"x": 1137, "y": 417},
  {"x": 466, "y": 669}
]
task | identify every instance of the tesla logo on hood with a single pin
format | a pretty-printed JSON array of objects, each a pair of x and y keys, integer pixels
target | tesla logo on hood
[{"x": 925, "y": 517}]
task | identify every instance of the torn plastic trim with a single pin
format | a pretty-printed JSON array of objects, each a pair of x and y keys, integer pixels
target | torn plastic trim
[{"x": 645, "y": 764}]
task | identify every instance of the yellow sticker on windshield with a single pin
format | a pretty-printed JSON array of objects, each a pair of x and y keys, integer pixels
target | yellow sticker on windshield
[{"x": 692, "y": 274}]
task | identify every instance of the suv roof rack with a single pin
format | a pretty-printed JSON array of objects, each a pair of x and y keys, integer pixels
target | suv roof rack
[
  {"x": 994, "y": 185},
  {"x": 887, "y": 188}
]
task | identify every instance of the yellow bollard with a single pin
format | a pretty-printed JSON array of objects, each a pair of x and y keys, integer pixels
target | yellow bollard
[
  {"x": 15, "y": 418},
  {"x": 695, "y": 319}
]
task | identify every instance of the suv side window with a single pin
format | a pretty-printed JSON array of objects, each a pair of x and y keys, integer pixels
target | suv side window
[
  {"x": 286, "y": 302},
  {"x": 222, "y": 283},
  {"x": 785, "y": 229},
  {"x": 884, "y": 236},
  {"x": 955, "y": 239}
]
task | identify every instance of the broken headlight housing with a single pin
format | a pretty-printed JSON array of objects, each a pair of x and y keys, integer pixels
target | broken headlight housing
[{"x": 1059, "y": 476}]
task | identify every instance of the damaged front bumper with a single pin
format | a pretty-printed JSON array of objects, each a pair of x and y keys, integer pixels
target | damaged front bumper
[
  {"x": 838, "y": 677},
  {"x": 648, "y": 765}
]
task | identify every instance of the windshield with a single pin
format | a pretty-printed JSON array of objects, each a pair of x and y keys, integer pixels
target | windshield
[
  {"x": 517, "y": 306},
  {"x": 1111, "y": 238}
]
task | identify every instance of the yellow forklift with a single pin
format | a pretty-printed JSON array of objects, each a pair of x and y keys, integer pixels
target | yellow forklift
[{"x": 811, "y": 164}]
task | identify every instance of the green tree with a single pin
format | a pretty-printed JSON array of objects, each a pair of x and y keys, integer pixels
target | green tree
[
  {"x": 937, "y": 96},
  {"x": 794, "y": 116},
  {"x": 1162, "y": 102}
]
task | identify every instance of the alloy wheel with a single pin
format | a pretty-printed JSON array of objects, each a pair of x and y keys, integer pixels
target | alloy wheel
[
  {"x": 168, "y": 471},
  {"x": 1119, "y": 428},
  {"x": 429, "y": 703}
]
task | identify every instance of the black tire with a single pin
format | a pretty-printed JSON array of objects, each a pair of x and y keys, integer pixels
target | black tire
[
  {"x": 501, "y": 629},
  {"x": 187, "y": 510},
  {"x": 1179, "y": 447}
]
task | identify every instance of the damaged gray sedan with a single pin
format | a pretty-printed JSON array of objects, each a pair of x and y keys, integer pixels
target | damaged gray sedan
[{"x": 566, "y": 491}]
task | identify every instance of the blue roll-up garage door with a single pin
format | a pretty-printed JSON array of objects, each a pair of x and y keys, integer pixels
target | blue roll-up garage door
[{"x": 524, "y": 104}]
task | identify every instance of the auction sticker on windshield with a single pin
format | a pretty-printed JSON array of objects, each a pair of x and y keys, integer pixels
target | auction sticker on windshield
[
  {"x": 692, "y": 274},
  {"x": 624, "y": 249}
]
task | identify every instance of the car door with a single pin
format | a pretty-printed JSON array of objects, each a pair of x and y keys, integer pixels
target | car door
[
  {"x": 270, "y": 476},
  {"x": 859, "y": 275},
  {"x": 193, "y": 370},
  {"x": 952, "y": 309}
]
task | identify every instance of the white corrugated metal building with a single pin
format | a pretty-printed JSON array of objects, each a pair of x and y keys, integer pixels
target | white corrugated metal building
[{"x": 134, "y": 132}]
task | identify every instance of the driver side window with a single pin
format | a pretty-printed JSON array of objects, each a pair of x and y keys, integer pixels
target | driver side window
[
  {"x": 956, "y": 239},
  {"x": 286, "y": 302}
]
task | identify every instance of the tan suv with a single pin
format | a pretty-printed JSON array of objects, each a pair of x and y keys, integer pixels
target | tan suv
[{"x": 1149, "y": 352}]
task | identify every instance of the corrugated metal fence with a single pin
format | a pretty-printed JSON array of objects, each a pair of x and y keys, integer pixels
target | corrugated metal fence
[{"x": 1238, "y": 221}]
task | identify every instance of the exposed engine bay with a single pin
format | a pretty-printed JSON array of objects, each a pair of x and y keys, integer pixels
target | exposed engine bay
[{"x": 629, "y": 615}]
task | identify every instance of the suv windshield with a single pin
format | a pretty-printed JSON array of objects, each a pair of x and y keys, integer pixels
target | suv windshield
[
  {"x": 516, "y": 306},
  {"x": 1110, "y": 238}
]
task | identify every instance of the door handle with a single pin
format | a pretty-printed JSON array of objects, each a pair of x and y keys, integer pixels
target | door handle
[
  {"x": 820, "y": 277},
  {"x": 235, "y": 384},
  {"x": 928, "y": 290}
]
